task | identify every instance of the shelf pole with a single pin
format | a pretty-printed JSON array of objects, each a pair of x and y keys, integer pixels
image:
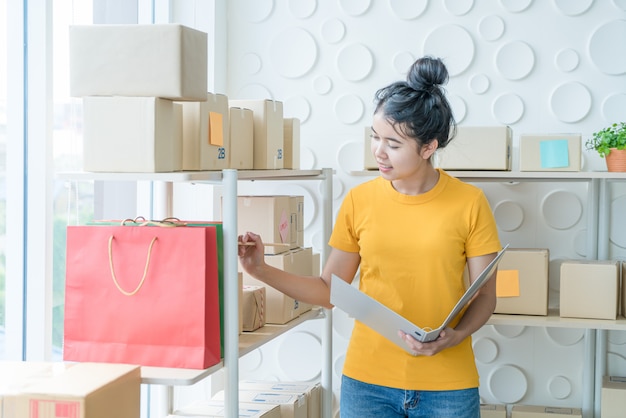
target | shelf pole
[
  {"x": 231, "y": 295},
  {"x": 327, "y": 331},
  {"x": 589, "y": 373}
]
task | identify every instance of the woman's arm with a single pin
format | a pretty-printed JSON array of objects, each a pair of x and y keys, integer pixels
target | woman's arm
[{"x": 308, "y": 289}]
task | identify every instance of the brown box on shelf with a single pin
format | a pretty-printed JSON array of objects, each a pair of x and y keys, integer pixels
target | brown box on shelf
[
  {"x": 532, "y": 411},
  {"x": 291, "y": 142},
  {"x": 268, "y": 132},
  {"x": 488, "y": 410},
  {"x": 296, "y": 221},
  {"x": 550, "y": 152},
  {"x": 369, "y": 161},
  {"x": 253, "y": 305},
  {"x": 241, "y": 139},
  {"x": 312, "y": 391},
  {"x": 163, "y": 60},
  {"x": 589, "y": 289},
  {"x": 281, "y": 308},
  {"x": 216, "y": 409},
  {"x": 613, "y": 398},
  {"x": 292, "y": 405},
  {"x": 522, "y": 282},
  {"x": 131, "y": 134},
  {"x": 270, "y": 217},
  {"x": 477, "y": 148},
  {"x": 85, "y": 390},
  {"x": 206, "y": 133}
]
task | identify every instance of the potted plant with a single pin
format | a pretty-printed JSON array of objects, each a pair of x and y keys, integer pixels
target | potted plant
[{"x": 610, "y": 143}]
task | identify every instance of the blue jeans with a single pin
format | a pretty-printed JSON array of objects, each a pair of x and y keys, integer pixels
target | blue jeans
[{"x": 363, "y": 400}]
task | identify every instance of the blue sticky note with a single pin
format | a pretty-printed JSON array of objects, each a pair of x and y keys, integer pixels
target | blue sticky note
[{"x": 554, "y": 153}]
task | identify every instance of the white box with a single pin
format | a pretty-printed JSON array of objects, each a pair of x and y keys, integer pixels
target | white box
[
  {"x": 268, "y": 132},
  {"x": 292, "y": 405},
  {"x": 216, "y": 409},
  {"x": 291, "y": 143},
  {"x": 613, "y": 399},
  {"x": 492, "y": 411},
  {"x": 531, "y": 411},
  {"x": 550, "y": 152},
  {"x": 206, "y": 133},
  {"x": 241, "y": 139},
  {"x": 530, "y": 268},
  {"x": 589, "y": 289},
  {"x": 131, "y": 134},
  {"x": 477, "y": 148},
  {"x": 163, "y": 60},
  {"x": 312, "y": 391}
]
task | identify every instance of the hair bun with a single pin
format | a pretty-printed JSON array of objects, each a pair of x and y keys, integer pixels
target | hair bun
[{"x": 427, "y": 74}]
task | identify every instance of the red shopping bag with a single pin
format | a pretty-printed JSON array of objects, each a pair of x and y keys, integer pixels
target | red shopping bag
[{"x": 145, "y": 295}]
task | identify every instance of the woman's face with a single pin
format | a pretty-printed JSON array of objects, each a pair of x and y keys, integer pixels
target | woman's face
[{"x": 398, "y": 156}]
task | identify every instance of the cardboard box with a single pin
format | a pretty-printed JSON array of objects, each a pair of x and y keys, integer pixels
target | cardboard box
[
  {"x": 613, "y": 398},
  {"x": 369, "y": 161},
  {"x": 131, "y": 134},
  {"x": 215, "y": 408},
  {"x": 316, "y": 264},
  {"x": 268, "y": 132},
  {"x": 206, "y": 133},
  {"x": 281, "y": 308},
  {"x": 291, "y": 143},
  {"x": 241, "y": 139},
  {"x": 271, "y": 218},
  {"x": 85, "y": 390},
  {"x": 297, "y": 221},
  {"x": 530, "y": 411},
  {"x": 492, "y": 411},
  {"x": 589, "y": 289},
  {"x": 522, "y": 282},
  {"x": 553, "y": 152},
  {"x": 477, "y": 148},
  {"x": 162, "y": 60},
  {"x": 291, "y": 405},
  {"x": 312, "y": 391},
  {"x": 253, "y": 305}
]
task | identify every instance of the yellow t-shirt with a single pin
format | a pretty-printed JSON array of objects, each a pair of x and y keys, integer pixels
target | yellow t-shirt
[{"x": 413, "y": 252}]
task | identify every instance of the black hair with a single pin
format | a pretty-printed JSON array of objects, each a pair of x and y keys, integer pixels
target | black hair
[{"x": 418, "y": 107}]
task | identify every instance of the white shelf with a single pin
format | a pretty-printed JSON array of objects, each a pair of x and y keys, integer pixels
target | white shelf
[
  {"x": 526, "y": 176},
  {"x": 248, "y": 342},
  {"x": 553, "y": 320}
]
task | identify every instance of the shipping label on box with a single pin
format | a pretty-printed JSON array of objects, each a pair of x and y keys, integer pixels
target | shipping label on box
[
  {"x": 268, "y": 132},
  {"x": 206, "y": 133},
  {"x": 531, "y": 411},
  {"x": 241, "y": 139},
  {"x": 131, "y": 134},
  {"x": 589, "y": 289},
  {"x": 613, "y": 399},
  {"x": 477, "y": 148},
  {"x": 162, "y": 60},
  {"x": 312, "y": 391},
  {"x": 551, "y": 152},
  {"x": 292, "y": 405},
  {"x": 215, "y": 409},
  {"x": 522, "y": 282},
  {"x": 291, "y": 142},
  {"x": 253, "y": 305}
]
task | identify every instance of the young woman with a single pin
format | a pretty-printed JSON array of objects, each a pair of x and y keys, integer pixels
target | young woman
[{"x": 411, "y": 232}]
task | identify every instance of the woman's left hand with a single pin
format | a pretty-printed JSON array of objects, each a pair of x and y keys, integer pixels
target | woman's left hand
[{"x": 447, "y": 338}]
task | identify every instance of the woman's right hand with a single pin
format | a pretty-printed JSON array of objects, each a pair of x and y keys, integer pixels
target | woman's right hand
[{"x": 251, "y": 252}]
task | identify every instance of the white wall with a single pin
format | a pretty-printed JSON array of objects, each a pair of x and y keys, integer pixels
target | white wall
[{"x": 544, "y": 66}]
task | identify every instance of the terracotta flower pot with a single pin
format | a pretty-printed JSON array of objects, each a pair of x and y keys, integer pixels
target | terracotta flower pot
[{"x": 616, "y": 160}]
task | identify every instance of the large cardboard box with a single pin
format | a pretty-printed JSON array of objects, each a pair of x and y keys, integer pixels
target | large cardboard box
[
  {"x": 550, "y": 152},
  {"x": 531, "y": 411},
  {"x": 163, "y": 60},
  {"x": 85, "y": 390},
  {"x": 268, "y": 132},
  {"x": 477, "y": 148},
  {"x": 253, "y": 307},
  {"x": 206, "y": 133},
  {"x": 522, "y": 282},
  {"x": 312, "y": 391},
  {"x": 489, "y": 410},
  {"x": 589, "y": 289},
  {"x": 292, "y": 405},
  {"x": 241, "y": 139},
  {"x": 216, "y": 409},
  {"x": 281, "y": 308},
  {"x": 613, "y": 398},
  {"x": 369, "y": 161},
  {"x": 291, "y": 139},
  {"x": 271, "y": 218},
  {"x": 131, "y": 134}
]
